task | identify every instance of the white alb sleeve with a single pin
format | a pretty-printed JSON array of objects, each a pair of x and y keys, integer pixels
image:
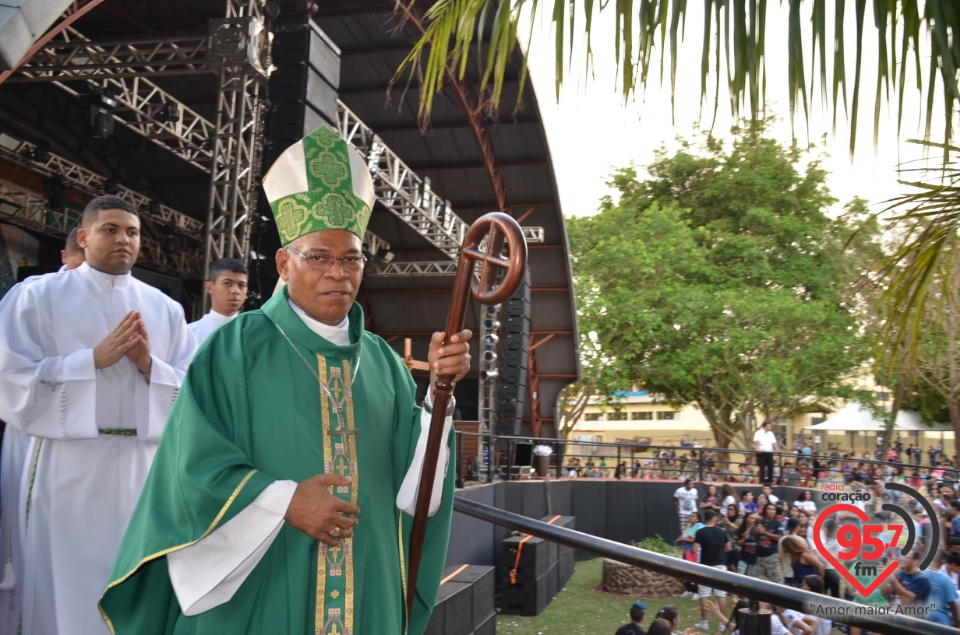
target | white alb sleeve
[
  {"x": 407, "y": 496},
  {"x": 207, "y": 573}
]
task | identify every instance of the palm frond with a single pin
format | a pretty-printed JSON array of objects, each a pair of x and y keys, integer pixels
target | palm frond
[
  {"x": 930, "y": 219},
  {"x": 645, "y": 29}
]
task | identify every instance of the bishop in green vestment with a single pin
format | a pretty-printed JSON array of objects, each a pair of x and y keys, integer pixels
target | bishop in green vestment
[{"x": 272, "y": 503}]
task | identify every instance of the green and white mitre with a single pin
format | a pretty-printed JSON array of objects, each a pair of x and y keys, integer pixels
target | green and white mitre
[{"x": 319, "y": 183}]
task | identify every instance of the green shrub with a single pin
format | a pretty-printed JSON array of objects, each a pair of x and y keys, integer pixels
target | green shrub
[{"x": 656, "y": 544}]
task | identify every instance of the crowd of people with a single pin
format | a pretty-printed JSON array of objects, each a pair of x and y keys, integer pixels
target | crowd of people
[
  {"x": 803, "y": 466},
  {"x": 761, "y": 535}
]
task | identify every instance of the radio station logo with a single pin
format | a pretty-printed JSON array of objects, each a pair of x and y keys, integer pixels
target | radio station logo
[{"x": 863, "y": 543}]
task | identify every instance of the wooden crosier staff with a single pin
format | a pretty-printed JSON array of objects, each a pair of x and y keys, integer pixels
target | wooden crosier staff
[{"x": 502, "y": 228}]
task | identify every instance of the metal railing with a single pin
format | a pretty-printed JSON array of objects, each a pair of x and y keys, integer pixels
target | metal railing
[
  {"x": 744, "y": 586},
  {"x": 633, "y": 460}
]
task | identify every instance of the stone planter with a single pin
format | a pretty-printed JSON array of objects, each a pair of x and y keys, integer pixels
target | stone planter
[
  {"x": 625, "y": 579},
  {"x": 541, "y": 464}
]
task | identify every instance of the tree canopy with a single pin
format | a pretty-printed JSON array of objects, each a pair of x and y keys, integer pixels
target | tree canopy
[{"x": 718, "y": 280}]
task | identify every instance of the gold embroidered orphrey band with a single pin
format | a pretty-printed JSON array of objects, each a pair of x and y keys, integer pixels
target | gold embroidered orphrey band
[{"x": 335, "y": 572}]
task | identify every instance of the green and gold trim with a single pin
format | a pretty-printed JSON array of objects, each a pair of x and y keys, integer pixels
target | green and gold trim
[
  {"x": 160, "y": 554},
  {"x": 335, "y": 565}
]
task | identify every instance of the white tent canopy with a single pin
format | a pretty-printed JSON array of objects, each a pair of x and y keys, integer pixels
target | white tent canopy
[{"x": 855, "y": 417}]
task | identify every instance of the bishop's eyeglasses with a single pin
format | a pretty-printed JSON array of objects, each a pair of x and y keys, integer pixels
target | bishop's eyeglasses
[{"x": 322, "y": 262}]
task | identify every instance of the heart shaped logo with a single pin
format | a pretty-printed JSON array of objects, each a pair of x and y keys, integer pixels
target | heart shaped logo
[{"x": 842, "y": 570}]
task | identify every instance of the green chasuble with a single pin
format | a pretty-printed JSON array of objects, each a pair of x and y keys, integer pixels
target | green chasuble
[{"x": 250, "y": 412}]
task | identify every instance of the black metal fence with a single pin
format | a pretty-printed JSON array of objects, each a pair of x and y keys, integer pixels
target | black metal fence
[
  {"x": 890, "y": 622},
  {"x": 503, "y": 457}
]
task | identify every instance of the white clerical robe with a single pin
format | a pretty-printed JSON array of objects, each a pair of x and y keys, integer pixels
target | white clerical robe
[
  {"x": 205, "y": 326},
  {"x": 14, "y": 451},
  {"x": 79, "y": 484}
]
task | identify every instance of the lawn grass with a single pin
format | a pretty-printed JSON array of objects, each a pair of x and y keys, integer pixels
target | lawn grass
[{"x": 581, "y": 609}]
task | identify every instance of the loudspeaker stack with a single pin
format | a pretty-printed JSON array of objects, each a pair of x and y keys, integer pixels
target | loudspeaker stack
[
  {"x": 303, "y": 88},
  {"x": 464, "y": 603},
  {"x": 513, "y": 389},
  {"x": 542, "y": 570}
]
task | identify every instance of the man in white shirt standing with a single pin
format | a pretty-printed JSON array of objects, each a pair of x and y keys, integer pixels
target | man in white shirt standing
[
  {"x": 685, "y": 502},
  {"x": 227, "y": 285},
  {"x": 90, "y": 363},
  {"x": 765, "y": 444}
]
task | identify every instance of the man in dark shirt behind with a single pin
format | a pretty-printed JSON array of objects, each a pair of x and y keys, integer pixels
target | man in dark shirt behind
[
  {"x": 712, "y": 543},
  {"x": 637, "y": 612},
  {"x": 769, "y": 532},
  {"x": 911, "y": 583}
]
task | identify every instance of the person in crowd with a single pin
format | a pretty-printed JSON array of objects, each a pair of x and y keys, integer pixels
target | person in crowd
[
  {"x": 943, "y": 597},
  {"x": 227, "y": 287},
  {"x": 791, "y": 527},
  {"x": 728, "y": 495},
  {"x": 747, "y": 503},
  {"x": 765, "y": 444},
  {"x": 806, "y": 524},
  {"x": 90, "y": 363},
  {"x": 731, "y": 523},
  {"x": 659, "y": 626},
  {"x": 910, "y": 583},
  {"x": 800, "y": 559},
  {"x": 711, "y": 545},
  {"x": 791, "y": 476},
  {"x": 711, "y": 500},
  {"x": 685, "y": 502},
  {"x": 950, "y": 566},
  {"x": 876, "y": 599},
  {"x": 686, "y": 540},
  {"x": 281, "y": 494},
  {"x": 671, "y": 615},
  {"x": 747, "y": 544},
  {"x": 820, "y": 625},
  {"x": 638, "y": 611},
  {"x": 786, "y": 621},
  {"x": 762, "y": 502},
  {"x": 730, "y": 624},
  {"x": 769, "y": 531},
  {"x": 806, "y": 503},
  {"x": 768, "y": 492}
]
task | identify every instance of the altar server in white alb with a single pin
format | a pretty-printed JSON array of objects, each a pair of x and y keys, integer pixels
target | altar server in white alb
[
  {"x": 227, "y": 287},
  {"x": 14, "y": 452},
  {"x": 90, "y": 363}
]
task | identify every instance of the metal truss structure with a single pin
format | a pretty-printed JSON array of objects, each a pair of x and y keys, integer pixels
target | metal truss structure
[
  {"x": 240, "y": 46},
  {"x": 409, "y": 197},
  {"x": 32, "y": 210},
  {"x": 414, "y": 268},
  {"x": 79, "y": 66},
  {"x": 229, "y": 149},
  {"x": 71, "y": 57},
  {"x": 401, "y": 190}
]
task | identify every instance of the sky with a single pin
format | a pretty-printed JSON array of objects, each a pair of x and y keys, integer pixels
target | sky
[{"x": 591, "y": 131}]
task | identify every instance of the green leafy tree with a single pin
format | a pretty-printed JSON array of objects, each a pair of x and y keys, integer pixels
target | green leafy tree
[{"x": 719, "y": 281}]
